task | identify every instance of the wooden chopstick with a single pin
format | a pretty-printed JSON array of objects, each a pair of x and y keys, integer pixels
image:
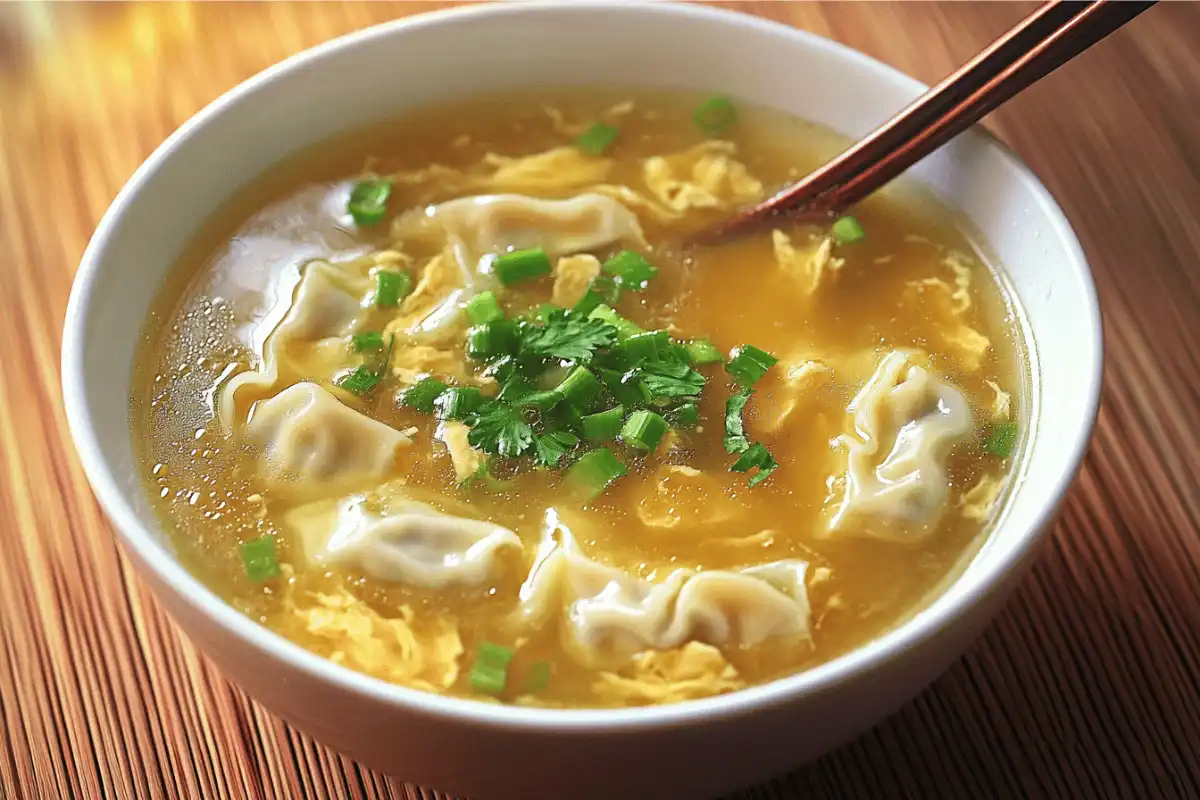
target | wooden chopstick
[{"x": 1049, "y": 37}]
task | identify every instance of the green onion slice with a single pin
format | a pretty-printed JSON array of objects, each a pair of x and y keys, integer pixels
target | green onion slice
[
  {"x": 372, "y": 340},
  {"x": 747, "y": 364},
  {"x": 702, "y": 351},
  {"x": 644, "y": 430},
  {"x": 580, "y": 386},
  {"x": 259, "y": 559},
  {"x": 489, "y": 673},
  {"x": 624, "y": 327},
  {"x": 421, "y": 395},
  {"x": 484, "y": 308},
  {"x": 757, "y": 456},
  {"x": 847, "y": 230},
  {"x": 633, "y": 270},
  {"x": 715, "y": 116},
  {"x": 521, "y": 265},
  {"x": 604, "y": 426},
  {"x": 359, "y": 382},
  {"x": 368, "y": 201},
  {"x": 593, "y": 473},
  {"x": 596, "y": 139},
  {"x": 1001, "y": 439},
  {"x": 687, "y": 416},
  {"x": 390, "y": 286},
  {"x": 735, "y": 432}
]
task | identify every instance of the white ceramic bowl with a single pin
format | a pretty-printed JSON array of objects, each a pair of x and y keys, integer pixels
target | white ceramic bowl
[{"x": 694, "y": 749}]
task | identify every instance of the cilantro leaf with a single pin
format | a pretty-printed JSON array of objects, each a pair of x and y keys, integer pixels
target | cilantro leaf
[
  {"x": 552, "y": 446},
  {"x": 501, "y": 429},
  {"x": 670, "y": 377},
  {"x": 757, "y": 456},
  {"x": 571, "y": 338},
  {"x": 735, "y": 430}
]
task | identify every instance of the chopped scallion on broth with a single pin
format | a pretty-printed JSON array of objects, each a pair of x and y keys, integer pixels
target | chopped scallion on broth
[
  {"x": 368, "y": 201},
  {"x": 596, "y": 139}
]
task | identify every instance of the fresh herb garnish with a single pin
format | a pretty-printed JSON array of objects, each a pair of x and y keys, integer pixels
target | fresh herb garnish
[
  {"x": 421, "y": 395},
  {"x": 593, "y": 473},
  {"x": 847, "y": 230},
  {"x": 551, "y": 446},
  {"x": 748, "y": 364},
  {"x": 501, "y": 429},
  {"x": 390, "y": 286},
  {"x": 372, "y": 340},
  {"x": 521, "y": 265},
  {"x": 633, "y": 270},
  {"x": 715, "y": 116},
  {"x": 359, "y": 381},
  {"x": 489, "y": 673},
  {"x": 566, "y": 337},
  {"x": 735, "y": 431},
  {"x": 757, "y": 456},
  {"x": 670, "y": 378}
]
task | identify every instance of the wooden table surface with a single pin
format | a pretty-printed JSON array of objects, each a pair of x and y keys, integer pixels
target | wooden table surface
[{"x": 1086, "y": 686}]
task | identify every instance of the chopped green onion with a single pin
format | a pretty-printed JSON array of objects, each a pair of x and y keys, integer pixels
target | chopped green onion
[
  {"x": 484, "y": 308},
  {"x": 715, "y": 116},
  {"x": 458, "y": 402},
  {"x": 579, "y": 387},
  {"x": 603, "y": 427},
  {"x": 588, "y": 303},
  {"x": 702, "y": 351},
  {"x": 641, "y": 346},
  {"x": 594, "y": 472},
  {"x": 687, "y": 415},
  {"x": 368, "y": 201},
  {"x": 491, "y": 340},
  {"x": 633, "y": 270},
  {"x": 747, "y": 364},
  {"x": 359, "y": 382},
  {"x": 519, "y": 265},
  {"x": 542, "y": 400},
  {"x": 624, "y": 386},
  {"x": 259, "y": 559},
  {"x": 538, "y": 677},
  {"x": 624, "y": 327},
  {"x": 1001, "y": 439},
  {"x": 847, "y": 230},
  {"x": 390, "y": 286},
  {"x": 757, "y": 456},
  {"x": 596, "y": 139},
  {"x": 420, "y": 396},
  {"x": 372, "y": 340},
  {"x": 735, "y": 431},
  {"x": 489, "y": 673},
  {"x": 644, "y": 430}
]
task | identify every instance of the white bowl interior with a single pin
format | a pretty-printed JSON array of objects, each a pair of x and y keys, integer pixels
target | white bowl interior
[{"x": 432, "y": 59}]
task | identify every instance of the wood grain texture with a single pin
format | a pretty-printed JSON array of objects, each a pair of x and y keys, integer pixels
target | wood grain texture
[{"x": 1086, "y": 686}]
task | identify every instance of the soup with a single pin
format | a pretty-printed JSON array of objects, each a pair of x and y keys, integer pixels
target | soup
[{"x": 453, "y": 402}]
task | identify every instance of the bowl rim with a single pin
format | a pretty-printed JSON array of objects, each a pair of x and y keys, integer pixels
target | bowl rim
[{"x": 846, "y": 668}]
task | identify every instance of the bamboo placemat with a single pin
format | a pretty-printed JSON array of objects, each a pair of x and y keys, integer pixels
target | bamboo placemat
[{"x": 1086, "y": 686}]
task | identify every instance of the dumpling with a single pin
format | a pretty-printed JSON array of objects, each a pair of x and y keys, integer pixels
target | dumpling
[
  {"x": 328, "y": 305},
  {"x": 905, "y": 422},
  {"x": 609, "y": 615},
  {"x": 487, "y": 224},
  {"x": 311, "y": 443},
  {"x": 404, "y": 541}
]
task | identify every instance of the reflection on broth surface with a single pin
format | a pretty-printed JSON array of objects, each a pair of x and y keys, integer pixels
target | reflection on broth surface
[{"x": 474, "y": 420}]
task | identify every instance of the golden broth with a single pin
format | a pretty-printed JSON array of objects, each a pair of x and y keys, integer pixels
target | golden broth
[{"x": 209, "y": 322}]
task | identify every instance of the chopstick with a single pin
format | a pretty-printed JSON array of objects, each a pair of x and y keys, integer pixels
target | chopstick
[{"x": 1049, "y": 37}]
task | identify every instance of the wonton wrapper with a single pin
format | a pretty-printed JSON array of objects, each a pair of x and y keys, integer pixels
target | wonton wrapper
[
  {"x": 671, "y": 676},
  {"x": 313, "y": 445},
  {"x": 905, "y": 422},
  {"x": 704, "y": 176},
  {"x": 310, "y": 340},
  {"x": 609, "y": 615},
  {"x": 408, "y": 542}
]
